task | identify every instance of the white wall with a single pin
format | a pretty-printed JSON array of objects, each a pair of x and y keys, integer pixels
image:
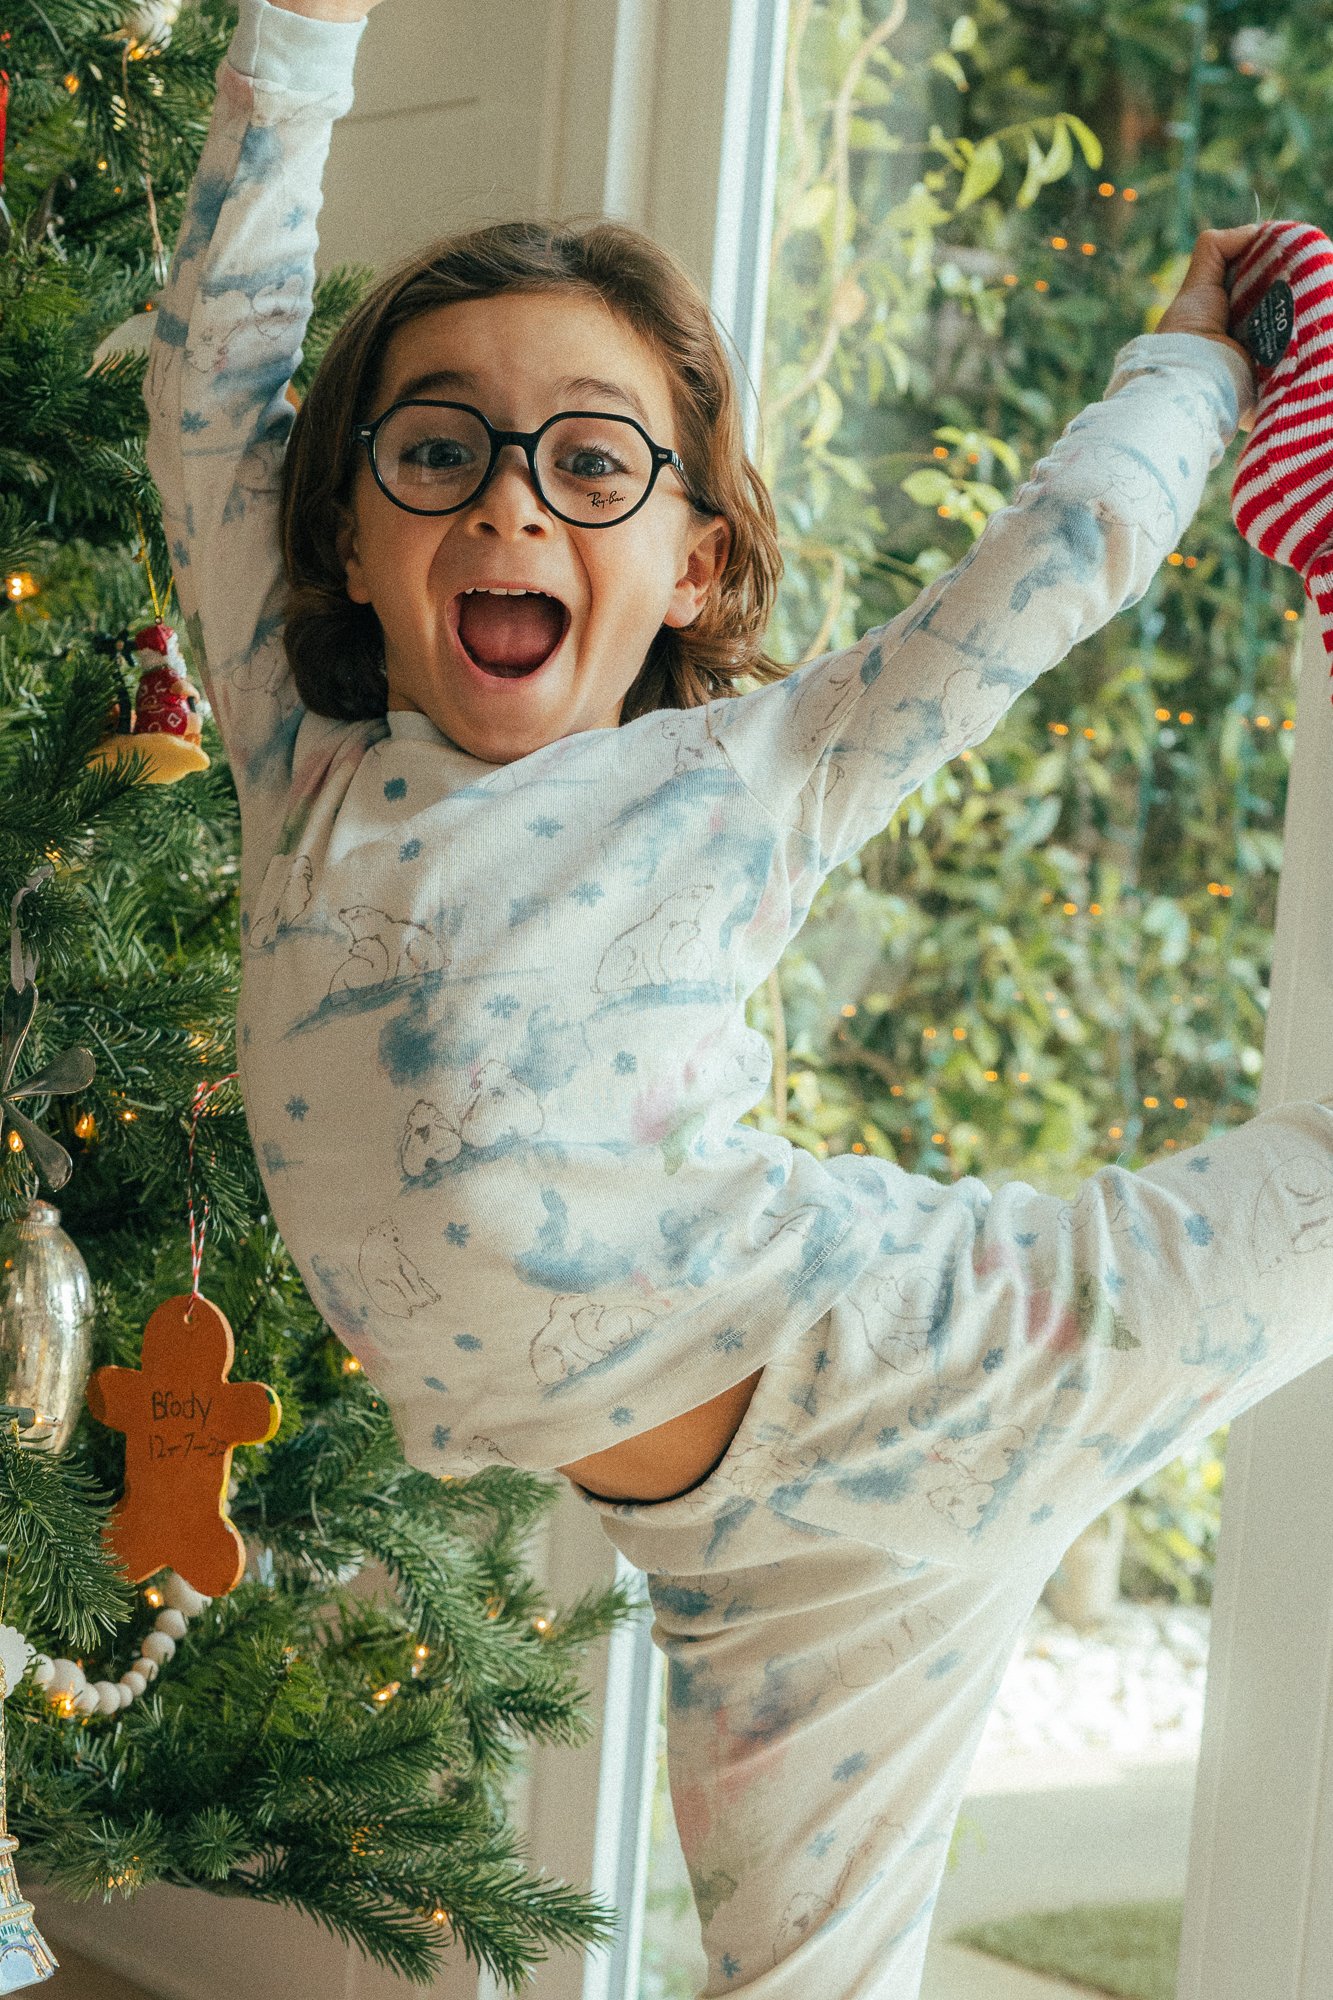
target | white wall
[{"x": 474, "y": 111}]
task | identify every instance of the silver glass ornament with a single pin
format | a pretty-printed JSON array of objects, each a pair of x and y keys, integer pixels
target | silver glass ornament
[{"x": 45, "y": 1328}]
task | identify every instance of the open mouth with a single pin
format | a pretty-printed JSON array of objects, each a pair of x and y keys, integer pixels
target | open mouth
[{"x": 509, "y": 635}]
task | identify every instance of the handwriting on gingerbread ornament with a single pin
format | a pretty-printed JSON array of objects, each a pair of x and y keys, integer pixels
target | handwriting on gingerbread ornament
[{"x": 182, "y": 1419}]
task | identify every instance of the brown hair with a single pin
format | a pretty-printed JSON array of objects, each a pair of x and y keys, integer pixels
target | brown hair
[{"x": 335, "y": 647}]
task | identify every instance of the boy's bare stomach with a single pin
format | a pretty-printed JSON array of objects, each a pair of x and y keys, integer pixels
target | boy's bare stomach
[{"x": 666, "y": 1461}]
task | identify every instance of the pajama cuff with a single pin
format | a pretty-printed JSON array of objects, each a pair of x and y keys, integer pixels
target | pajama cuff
[
  {"x": 1230, "y": 370},
  {"x": 292, "y": 51}
]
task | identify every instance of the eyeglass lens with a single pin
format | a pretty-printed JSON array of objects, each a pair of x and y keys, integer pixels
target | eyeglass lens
[{"x": 589, "y": 469}]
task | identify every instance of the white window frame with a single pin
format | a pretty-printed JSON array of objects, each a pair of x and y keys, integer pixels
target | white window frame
[
  {"x": 685, "y": 146},
  {"x": 1259, "y": 1891}
]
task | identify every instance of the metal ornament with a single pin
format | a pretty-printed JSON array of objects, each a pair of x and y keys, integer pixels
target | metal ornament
[
  {"x": 26, "y": 1959},
  {"x": 45, "y": 1324},
  {"x": 71, "y": 1070}
]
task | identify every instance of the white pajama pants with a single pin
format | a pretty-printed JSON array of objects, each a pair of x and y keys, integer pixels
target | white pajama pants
[{"x": 839, "y": 1599}]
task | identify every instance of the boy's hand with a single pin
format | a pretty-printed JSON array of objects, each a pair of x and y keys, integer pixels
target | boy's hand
[
  {"x": 328, "y": 10},
  {"x": 1202, "y": 305}
]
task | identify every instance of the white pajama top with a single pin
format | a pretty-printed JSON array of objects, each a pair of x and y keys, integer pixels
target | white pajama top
[{"x": 491, "y": 1032}]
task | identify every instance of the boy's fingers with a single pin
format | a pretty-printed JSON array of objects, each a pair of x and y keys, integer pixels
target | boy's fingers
[
  {"x": 1214, "y": 250},
  {"x": 1235, "y": 239}
]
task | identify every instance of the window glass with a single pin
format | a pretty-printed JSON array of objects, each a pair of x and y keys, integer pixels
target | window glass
[{"x": 1057, "y": 955}]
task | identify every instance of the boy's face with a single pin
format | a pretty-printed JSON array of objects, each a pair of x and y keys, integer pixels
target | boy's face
[{"x": 519, "y": 358}]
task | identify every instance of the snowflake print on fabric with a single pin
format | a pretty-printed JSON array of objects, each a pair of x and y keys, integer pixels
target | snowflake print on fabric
[{"x": 395, "y": 788}]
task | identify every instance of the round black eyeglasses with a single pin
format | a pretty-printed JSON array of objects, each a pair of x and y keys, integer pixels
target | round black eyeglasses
[{"x": 588, "y": 467}]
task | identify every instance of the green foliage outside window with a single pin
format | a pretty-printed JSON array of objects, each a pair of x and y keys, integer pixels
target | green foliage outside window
[{"x": 1057, "y": 954}]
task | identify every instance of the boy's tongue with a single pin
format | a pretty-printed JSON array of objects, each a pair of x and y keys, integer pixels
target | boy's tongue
[{"x": 509, "y": 634}]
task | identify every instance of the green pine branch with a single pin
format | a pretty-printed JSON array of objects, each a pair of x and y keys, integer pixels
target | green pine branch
[{"x": 61, "y": 1584}]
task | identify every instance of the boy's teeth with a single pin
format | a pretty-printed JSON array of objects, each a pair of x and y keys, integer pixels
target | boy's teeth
[{"x": 485, "y": 590}]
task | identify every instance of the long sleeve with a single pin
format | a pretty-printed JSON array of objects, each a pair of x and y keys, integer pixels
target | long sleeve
[
  {"x": 833, "y": 749},
  {"x": 226, "y": 344}
]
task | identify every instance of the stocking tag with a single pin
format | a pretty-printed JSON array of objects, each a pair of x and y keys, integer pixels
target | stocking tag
[{"x": 1268, "y": 330}]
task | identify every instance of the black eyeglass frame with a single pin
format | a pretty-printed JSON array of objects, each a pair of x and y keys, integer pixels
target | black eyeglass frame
[{"x": 527, "y": 441}]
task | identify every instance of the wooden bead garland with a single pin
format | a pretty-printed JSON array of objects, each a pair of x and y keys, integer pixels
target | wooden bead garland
[{"x": 67, "y": 1686}]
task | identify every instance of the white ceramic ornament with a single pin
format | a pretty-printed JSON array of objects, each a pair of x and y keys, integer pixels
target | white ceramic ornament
[{"x": 15, "y": 1653}]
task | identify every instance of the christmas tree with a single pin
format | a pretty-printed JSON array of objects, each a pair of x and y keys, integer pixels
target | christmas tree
[{"x": 335, "y": 1732}]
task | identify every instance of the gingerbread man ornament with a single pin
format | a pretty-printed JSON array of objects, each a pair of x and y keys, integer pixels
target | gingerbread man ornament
[{"x": 182, "y": 1419}]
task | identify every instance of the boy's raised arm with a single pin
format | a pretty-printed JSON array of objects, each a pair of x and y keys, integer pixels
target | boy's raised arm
[
  {"x": 227, "y": 341},
  {"x": 835, "y": 748}
]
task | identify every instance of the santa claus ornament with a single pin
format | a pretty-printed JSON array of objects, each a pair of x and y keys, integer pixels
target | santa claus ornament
[{"x": 165, "y": 727}]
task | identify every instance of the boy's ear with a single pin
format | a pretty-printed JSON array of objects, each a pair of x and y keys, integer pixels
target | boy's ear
[
  {"x": 706, "y": 560},
  {"x": 350, "y": 557}
]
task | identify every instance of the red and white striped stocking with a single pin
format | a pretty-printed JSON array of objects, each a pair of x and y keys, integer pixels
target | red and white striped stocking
[{"x": 1282, "y": 311}]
